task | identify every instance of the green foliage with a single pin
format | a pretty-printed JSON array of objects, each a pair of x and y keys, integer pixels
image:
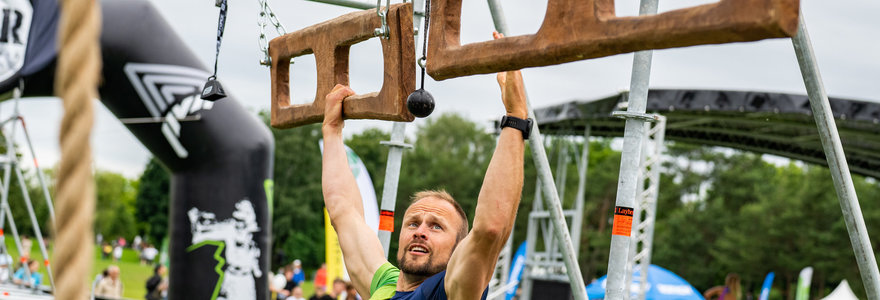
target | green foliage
[
  {"x": 152, "y": 202},
  {"x": 297, "y": 216},
  {"x": 115, "y": 205}
]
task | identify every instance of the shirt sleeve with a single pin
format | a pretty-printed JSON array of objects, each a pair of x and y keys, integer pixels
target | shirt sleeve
[{"x": 384, "y": 283}]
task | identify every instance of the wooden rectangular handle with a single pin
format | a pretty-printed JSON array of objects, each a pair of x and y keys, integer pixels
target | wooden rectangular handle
[
  {"x": 583, "y": 29},
  {"x": 330, "y": 42}
]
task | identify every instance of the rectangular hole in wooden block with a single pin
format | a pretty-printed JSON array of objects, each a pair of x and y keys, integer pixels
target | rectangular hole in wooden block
[
  {"x": 523, "y": 17},
  {"x": 366, "y": 68},
  {"x": 303, "y": 80},
  {"x": 631, "y": 8}
]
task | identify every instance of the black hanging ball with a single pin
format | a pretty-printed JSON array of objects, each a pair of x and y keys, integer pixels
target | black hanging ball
[{"x": 420, "y": 103}]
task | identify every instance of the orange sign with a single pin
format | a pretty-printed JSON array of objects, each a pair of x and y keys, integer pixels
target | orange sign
[
  {"x": 386, "y": 220},
  {"x": 623, "y": 221}
]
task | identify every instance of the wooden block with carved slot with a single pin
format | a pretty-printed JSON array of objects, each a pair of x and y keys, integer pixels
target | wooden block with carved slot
[
  {"x": 583, "y": 29},
  {"x": 330, "y": 42}
]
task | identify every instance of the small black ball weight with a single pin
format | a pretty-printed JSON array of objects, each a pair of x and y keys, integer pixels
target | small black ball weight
[{"x": 420, "y": 103}]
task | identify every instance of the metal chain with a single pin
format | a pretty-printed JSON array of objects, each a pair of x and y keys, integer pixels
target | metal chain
[{"x": 266, "y": 17}]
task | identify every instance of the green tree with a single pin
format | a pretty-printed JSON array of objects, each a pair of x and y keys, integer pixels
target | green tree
[
  {"x": 297, "y": 215},
  {"x": 115, "y": 205},
  {"x": 152, "y": 202}
]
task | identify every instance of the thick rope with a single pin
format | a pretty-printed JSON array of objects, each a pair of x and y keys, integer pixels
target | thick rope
[{"x": 79, "y": 65}]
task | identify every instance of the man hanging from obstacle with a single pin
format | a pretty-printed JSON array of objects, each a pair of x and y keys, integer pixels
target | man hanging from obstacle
[{"x": 438, "y": 257}]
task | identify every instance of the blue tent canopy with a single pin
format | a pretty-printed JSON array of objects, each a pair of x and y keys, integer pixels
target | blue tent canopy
[{"x": 662, "y": 285}]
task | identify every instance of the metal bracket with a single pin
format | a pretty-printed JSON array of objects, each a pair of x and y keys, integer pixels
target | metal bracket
[
  {"x": 636, "y": 116},
  {"x": 396, "y": 144}
]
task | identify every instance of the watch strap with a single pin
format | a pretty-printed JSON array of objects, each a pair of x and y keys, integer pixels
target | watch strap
[{"x": 522, "y": 125}]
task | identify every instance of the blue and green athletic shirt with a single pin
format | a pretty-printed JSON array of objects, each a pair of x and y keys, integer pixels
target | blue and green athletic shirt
[{"x": 384, "y": 285}]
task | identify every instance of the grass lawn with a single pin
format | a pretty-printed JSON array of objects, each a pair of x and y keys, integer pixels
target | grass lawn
[{"x": 134, "y": 275}]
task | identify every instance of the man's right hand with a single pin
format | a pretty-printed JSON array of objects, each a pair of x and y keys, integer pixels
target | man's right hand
[
  {"x": 333, "y": 121},
  {"x": 513, "y": 92}
]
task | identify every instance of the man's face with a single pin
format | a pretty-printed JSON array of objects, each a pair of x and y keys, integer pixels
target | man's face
[{"x": 427, "y": 237}]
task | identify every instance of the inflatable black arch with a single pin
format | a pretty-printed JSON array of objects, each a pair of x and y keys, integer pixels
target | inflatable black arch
[{"x": 220, "y": 156}]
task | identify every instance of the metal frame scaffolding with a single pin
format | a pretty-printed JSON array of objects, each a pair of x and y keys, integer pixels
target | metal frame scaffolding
[
  {"x": 10, "y": 164},
  {"x": 619, "y": 257},
  {"x": 547, "y": 264},
  {"x": 629, "y": 183}
]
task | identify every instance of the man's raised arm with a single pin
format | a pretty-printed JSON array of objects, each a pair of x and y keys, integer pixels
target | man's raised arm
[
  {"x": 471, "y": 265},
  {"x": 360, "y": 246}
]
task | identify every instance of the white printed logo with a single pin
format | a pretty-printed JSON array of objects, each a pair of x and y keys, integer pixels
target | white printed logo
[
  {"x": 242, "y": 255},
  {"x": 160, "y": 87},
  {"x": 15, "y": 24}
]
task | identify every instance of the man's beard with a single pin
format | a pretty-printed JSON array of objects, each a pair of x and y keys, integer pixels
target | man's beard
[{"x": 424, "y": 270}]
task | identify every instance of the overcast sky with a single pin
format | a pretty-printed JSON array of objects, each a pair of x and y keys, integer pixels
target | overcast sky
[{"x": 843, "y": 34}]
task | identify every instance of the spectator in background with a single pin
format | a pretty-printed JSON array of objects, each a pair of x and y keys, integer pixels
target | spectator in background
[
  {"x": 36, "y": 278},
  {"x": 296, "y": 294},
  {"x": 321, "y": 277},
  {"x": 110, "y": 287},
  {"x": 298, "y": 275},
  {"x": 5, "y": 266},
  {"x": 26, "y": 245},
  {"x": 351, "y": 293},
  {"x": 284, "y": 292},
  {"x": 156, "y": 285},
  {"x": 338, "y": 291},
  {"x": 321, "y": 294},
  {"x": 117, "y": 253},
  {"x": 731, "y": 290},
  {"x": 137, "y": 243},
  {"x": 148, "y": 256},
  {"x": 106, "y": 250}
]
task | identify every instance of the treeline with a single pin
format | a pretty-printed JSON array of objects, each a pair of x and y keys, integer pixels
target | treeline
[{"x": 124, "y": 207}]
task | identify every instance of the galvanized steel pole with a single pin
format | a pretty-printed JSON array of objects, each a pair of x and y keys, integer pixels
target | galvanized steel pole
[
  {"x": 395, "y": 152},
  {"x": 616, "y": 286},
  {"x": 347, "y": 3},
  {"x": 577, "y": 220},
  {"x": 843, "y": 184},
  {"x": 542, "y": 164}
]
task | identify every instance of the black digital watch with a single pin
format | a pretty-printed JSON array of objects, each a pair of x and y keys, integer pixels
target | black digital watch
[{"x": 522, "y": 125}]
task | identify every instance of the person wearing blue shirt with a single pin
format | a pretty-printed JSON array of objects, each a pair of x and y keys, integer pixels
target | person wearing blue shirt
[
  {"x": 298, "y": 275},
  {"x": 36, "y": 278}
]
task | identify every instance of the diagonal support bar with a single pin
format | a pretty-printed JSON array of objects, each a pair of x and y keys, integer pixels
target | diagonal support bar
[
  {"x": 542, "y": 164},
  {"x": 330, "y": 42},
  {"x": 843, "y": 184},
  {"x": 583, "y": 29}
]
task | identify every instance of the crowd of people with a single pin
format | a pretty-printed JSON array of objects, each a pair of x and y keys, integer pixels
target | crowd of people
[
  {"x": 287, "y": 285},
  {"x": 25, "y": 273},
  {"x": 107, "y": 284}
]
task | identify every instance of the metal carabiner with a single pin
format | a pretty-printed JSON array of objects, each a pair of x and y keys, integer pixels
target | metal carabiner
[{"x": 383, "y": 31}]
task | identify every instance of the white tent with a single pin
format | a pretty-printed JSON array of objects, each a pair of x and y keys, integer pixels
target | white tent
[{"x": 842, "y": 292}]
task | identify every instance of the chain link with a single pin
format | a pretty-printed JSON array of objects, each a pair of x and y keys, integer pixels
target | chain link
[{"x": 266, "y": 17}]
